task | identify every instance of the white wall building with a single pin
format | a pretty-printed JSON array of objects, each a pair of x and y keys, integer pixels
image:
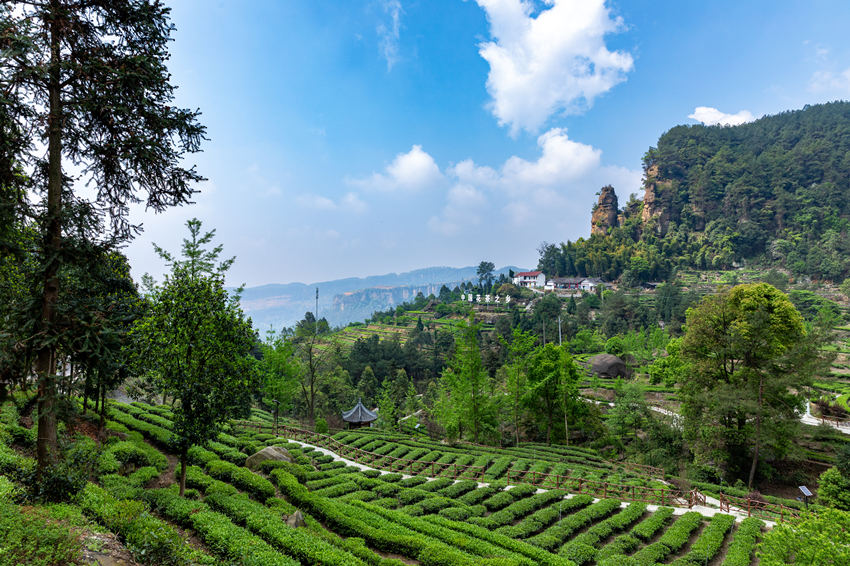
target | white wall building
[{"x": 530, "y": 279}]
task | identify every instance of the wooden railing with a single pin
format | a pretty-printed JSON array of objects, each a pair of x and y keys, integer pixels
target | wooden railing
[
  {"x": 571, "y": 484},
  {"x": 757, "y": 508}
]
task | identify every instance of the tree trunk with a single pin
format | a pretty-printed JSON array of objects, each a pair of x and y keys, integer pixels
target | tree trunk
[
  {"x": 46, "y": 446},
  {"x": 516, "y": 415},
  {"x": 758, "y": 435},
  {"x": 102, "y": 409},
  {"x": 183, "y": 473}
]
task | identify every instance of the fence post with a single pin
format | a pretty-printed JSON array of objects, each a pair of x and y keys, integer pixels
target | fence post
[
  {"x": 748, "y": 507},
  {"x": 455, "y": 469},
  {"x": 605, "y": 490},
  {"x": 433, "y": 469}
]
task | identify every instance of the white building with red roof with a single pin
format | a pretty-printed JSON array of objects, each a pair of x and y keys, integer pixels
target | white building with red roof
[{"x": 530, "y": 279}]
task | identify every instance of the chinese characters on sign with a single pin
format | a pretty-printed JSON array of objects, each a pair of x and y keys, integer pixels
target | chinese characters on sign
[{"x": 497, "y": 299}]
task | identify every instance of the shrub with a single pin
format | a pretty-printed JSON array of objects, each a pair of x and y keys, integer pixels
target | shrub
[
  {"x": 54, "y": 544},
  {"x": 321, "y": 426},
  {"x": 834, "y": 489}
]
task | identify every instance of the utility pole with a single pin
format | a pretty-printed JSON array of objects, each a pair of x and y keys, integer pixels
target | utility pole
[
  {"x": 317, "y": 308},
  {"x": 560, "y": 342}
]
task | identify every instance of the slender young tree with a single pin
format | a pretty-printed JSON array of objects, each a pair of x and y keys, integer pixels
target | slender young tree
[
  {"x": 88, "y": 79},
  {"x": 197, "y": 343},
  {"x": 519, "y": 358}
]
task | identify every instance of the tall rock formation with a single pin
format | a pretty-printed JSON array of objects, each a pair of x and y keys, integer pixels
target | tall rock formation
[
  {"x": 656, "y": 206},
  {"x": 605, "y": 212}
]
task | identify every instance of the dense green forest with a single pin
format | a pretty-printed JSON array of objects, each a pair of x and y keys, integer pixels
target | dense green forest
[{"x": 771, "y": 192}]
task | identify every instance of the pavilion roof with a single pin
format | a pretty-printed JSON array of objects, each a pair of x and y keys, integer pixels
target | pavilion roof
[{"x": 359, "y": 414}]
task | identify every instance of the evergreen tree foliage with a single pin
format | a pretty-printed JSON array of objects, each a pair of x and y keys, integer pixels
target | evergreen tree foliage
[{"x": 88, "y": 78}]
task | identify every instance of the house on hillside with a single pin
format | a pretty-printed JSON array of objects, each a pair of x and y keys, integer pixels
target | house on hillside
[
  {"x": 590, "y": 284},
  {"x": 564, "y": 283},
  {"x": 530, "y": 279}
]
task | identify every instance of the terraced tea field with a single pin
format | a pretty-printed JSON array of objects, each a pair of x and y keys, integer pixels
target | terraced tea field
[{"x": 359, "y": 514}]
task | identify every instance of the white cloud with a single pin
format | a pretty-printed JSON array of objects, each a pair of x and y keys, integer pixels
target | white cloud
[
  {"x": 317, "y": 202},
  {"x": 561, "y": 160},
  {"x": 464, "y": 205},
  {"x": 713, "y": 117},
  {"x": 390, "y": 32},
  {"x": 409, "y": 171},
  {"x": 349, "y": 202},
  {"x": 553, "y": 192},
  {"x": 353, "y": 203},
  {"x": 831, "y": 83},
  {"x": 554, "y": 61}
]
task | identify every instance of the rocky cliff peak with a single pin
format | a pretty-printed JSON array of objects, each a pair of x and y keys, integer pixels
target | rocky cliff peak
[{"x": 605, "y": 212}]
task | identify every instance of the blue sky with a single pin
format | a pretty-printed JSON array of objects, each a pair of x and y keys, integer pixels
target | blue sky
[{"x": 354, "y": 138}]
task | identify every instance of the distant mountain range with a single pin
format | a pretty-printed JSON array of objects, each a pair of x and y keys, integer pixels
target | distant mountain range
[{"x": 347, "y": 300}]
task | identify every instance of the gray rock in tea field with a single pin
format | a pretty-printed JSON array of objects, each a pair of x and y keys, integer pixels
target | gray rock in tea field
[
  {"x": 296, "y": 519},
  {"x": 268, "y": 453}
]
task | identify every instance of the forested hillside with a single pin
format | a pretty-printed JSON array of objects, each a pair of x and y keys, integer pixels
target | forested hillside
[{"x": 775, "y": 192}]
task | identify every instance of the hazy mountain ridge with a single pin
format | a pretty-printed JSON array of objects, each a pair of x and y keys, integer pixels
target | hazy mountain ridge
[{"x": 346, "y": 300}]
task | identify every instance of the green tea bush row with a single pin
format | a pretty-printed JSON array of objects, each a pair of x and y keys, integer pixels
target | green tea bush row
[
  {"x": 517, "y": 509},
  {"x": 628, "y": 542},
  {"x": 645, "y": 530},
  {"x": 504, "y": 498},
  {"x": 225, "y": 539},
  {"x": 437, "y": 484},
  {"x": 537, "y": 555},
  {"x": 553, "y": 537},
  {"x": 457, "y": 489},
  {"x": 478, "y": 495},
  {"x": 413, "y": 481},
  {"x": 322, "y": 483},
  {"x": 471, "y": 545},
  {"x": 542, "y": 518},
  {"x": 267, "y": 524},
  {"x": 242, "y": 478},
  {"x": 498, "y": 468},
  {"x": 428, "y": 505},
  {"x": 709, "y": 542},
  {"x": 157, "y": 434},
  {"x": 384, "y": 535},
  {"x": 740, "y": 551},
  {"x": 149, "y": 538},
  {"x": 126, "y": 452},
  {"x": 337, "y": 490},
  {"x": 678, "y": 534},
  {"x": 582, "y": 549}
]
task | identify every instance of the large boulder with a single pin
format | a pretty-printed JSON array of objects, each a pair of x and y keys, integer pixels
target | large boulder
[
  {"x": 268, "y": 453},
  {"x": 609, "y": 365},
  {"x": 296, "y": 520}
]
